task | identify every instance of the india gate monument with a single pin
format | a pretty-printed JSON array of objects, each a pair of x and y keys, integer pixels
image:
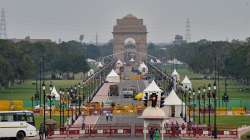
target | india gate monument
[{"x": 132, "y": 30}]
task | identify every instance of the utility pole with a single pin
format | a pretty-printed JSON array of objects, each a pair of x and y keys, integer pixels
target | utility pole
[
  {"x": 188, "y": 31},
  {"x": 3, "y": 32}
]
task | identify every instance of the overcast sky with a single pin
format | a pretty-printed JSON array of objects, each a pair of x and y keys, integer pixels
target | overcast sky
[{"x": 67, "y": 19}]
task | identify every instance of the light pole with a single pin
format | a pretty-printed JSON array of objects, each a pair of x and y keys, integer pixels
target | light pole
[
  {"x": 193, "y": 106},
  {"x": 204, "y": 104},
  {"x": 185, "y": 96},
  {"x": 76, "y": 99},
  {"x": 209, "y": 104},
  {"x": 79, "y": 99},
  {"x": 44, "y": 102},
  {"x": 189, "y": 105},
  {"x": 215, "y": 107},
  {"x": 50, "y": 96},
  {"x": 68, "y": 97},
  {"x": 182, "y": 92},
  {"x": 63, "y": 102},
  {"x": 199, "y": 103},
  {"x": 60, "y": 108}
]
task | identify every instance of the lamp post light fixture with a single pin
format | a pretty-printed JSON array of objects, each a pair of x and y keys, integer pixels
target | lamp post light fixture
[
  {"x": 204, "y": 105},
  {"x": 60, "y": 108},
  {"x": 193, "y": 96},
  {"x": 75, "y": 101},
  {"x": 182, "y": 92},
  {"x": 209, "y": 104},
  {"x": 79, "y": 99},
  {"x": 50, "y": 97},
  {"x": 189, "y": 105},
  {"x": 185, "y": 98},
  {"x": 44, "y": 102},
  {"x": 63, "y": 104},
  {"x": 199, "y": 104},
  {"x": 83, "y": 96},
  {"x": 215, "y": 107},
  {"x": 68, "y": 102}
]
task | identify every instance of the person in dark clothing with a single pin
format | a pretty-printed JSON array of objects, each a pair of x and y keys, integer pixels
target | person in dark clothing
[
  {"x": 151, "y": 134},
  {"x": 46, "y": 132},
  {"x": 41, "y": 132}
]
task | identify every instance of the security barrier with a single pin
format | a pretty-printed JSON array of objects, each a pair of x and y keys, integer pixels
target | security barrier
[{"x": 126, "y": 130}]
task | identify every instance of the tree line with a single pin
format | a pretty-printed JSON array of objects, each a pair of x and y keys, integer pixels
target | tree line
[
  {"x": 21, "y": 61},
  {"x": 230, "y": 59}
]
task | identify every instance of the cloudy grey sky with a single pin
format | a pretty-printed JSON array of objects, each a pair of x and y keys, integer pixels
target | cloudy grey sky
[{"x": 67, "y": 19}]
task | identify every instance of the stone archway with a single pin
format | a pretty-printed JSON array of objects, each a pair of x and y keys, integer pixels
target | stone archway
[{"x": 130, "y": 27}]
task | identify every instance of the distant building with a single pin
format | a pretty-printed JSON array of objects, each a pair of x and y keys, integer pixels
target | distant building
[
  {"x": 27, "y": 38},
  {"x": 178, "y": 40}
]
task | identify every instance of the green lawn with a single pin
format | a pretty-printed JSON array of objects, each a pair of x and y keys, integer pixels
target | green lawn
[
  {"x": 39, "y": 119},
  {"x": 28, "y": 88},
  {"x": 228, "y": 121}
]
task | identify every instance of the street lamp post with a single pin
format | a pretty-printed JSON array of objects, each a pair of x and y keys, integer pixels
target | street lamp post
[
  {"x": 63, "y": 104},
  {"x": 189, "y": 106},
  {"x": 215, "y": 107},
  {"x": 68, "y": 103},
  {"x": 50, "y": 96},
  {"x": 199, "y": 103},
  {"x": 182, "y": 92},
  {"x": 204, "y": 105},
  {"x": 60, "y": 108},
  {"x": 209, "y": 104},
  {"x": 185, "y": 96},
  {"x": 44, "y": 102},
  {"x": 79, "y": 99},
  {"x": 193, "y": 106},
  {"x": 76, "y": 101}
]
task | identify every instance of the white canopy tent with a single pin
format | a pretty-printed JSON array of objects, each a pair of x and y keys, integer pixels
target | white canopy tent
[
  {"x": 152, "y": 61},
  {"x": 186, "y": 83},
  {"x": 55, "y": 93},
  {"x": 132, "y": 60},
  {"x": 90, "y": 72},
  {"x": 99, "y": 65},
  {"x": 143, "y": 68},
  {"x": 158, "y": 61},
  {"x": 113, "y": 77},
  {"x": 153, "y": 88},
  {"x": 173, "y": 105},
  {"x": 176, "y": 75}
]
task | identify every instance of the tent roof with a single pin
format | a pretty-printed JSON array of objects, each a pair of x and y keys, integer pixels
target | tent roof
[
  {"x": 152, "y": 61},
  {"x": 152, "y": 87},
  {"x": 54, "y": 92},
  {"x": 132, "y": 59},
  {"x": 158, "y": 61},
  {"x": 172, "y": 99},
  {"x": 186, "y": 80},
  {"x": 99, "y": 64},
  {"x": 174, "y": 73},
  {"x": 112, "y": 74}
]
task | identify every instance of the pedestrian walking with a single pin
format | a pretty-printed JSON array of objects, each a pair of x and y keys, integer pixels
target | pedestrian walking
[
  {"x": 46, "y": 132},
  {"x": 156, "y": 134},
  {"x": 151, "y": 134},
  {"x": 107, "y": 117},
  {"x": 41, "y": 132},
  {"x": 111, "y": 116}
]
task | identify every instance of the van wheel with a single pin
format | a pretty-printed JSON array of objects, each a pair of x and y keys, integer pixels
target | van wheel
[{"x": 20, "y": 135}]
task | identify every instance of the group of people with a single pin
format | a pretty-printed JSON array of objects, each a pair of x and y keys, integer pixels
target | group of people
[
  {"x": 154, "y": 134},
  {"x": 109, "y": 116}
]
